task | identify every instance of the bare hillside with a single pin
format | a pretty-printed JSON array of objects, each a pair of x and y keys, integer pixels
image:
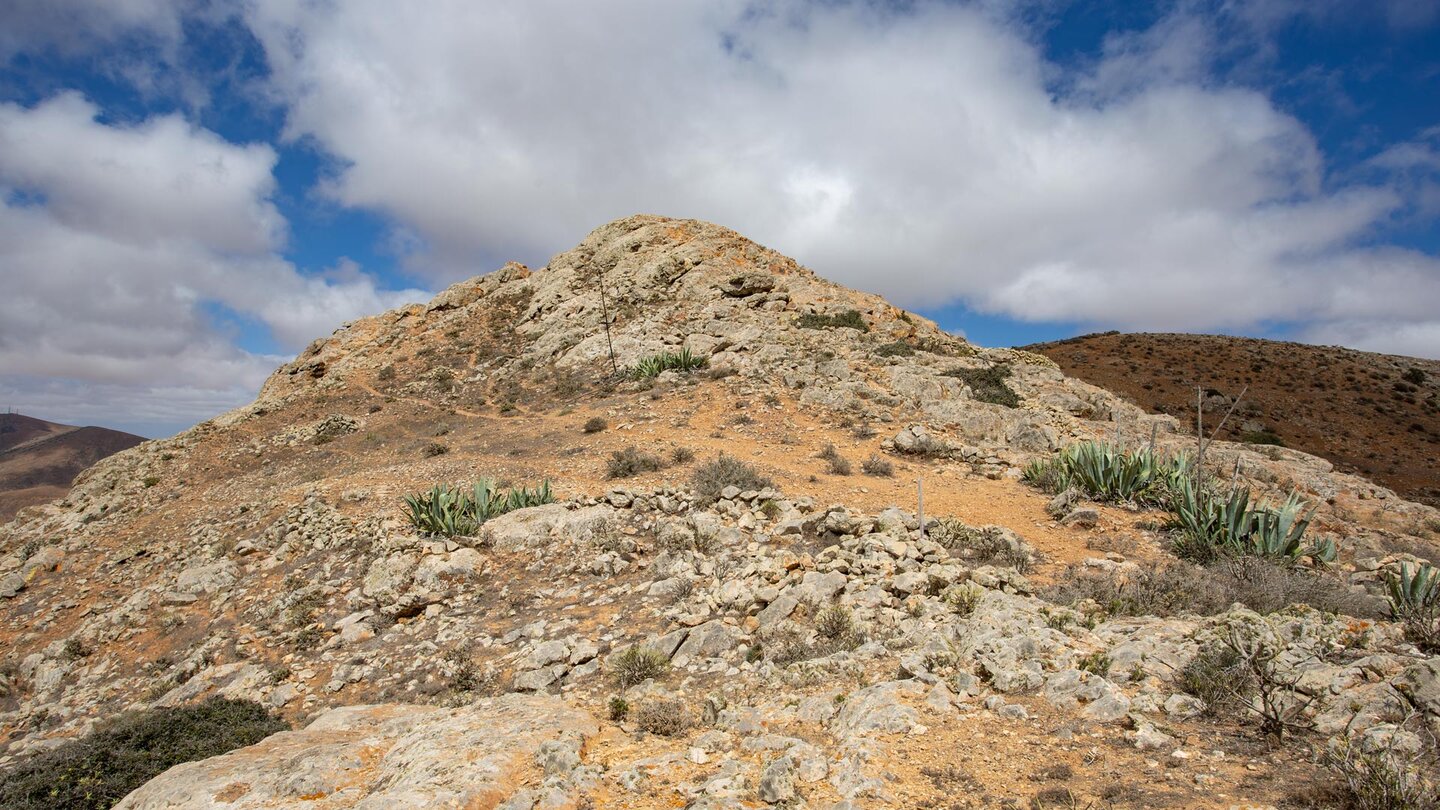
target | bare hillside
[
  {"x": 729, "y": 601},
  {"x": 39, "y": 459},
  {"x": 1376, "y": 415}
]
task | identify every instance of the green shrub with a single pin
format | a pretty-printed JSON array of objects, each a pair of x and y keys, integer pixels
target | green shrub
[
  {"x": 1217, "y": 676},
  {"x": 1095, "y": 663},
  {"x": 712, "y": 477},
  {"x": 1265, "y": 436},
  {"x": 988, "y": 384},
  {"x": 639, "y": 664},
  {"x": 630, "y": 461},
  {"x": 457, "y": 512},
  {"x": 897, "y": 349},
  {"x": 619, "y": 709},
  {"x": 98, "y": 770},
  {"x": 595, "y": 424},
  {"x": 1046, "y": 475},
  {"x": 652, "y": 366},
  {"x": 849, "y": 319}
]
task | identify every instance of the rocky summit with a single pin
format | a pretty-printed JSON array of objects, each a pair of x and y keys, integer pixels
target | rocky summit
[{"x": 696, "y": 571}]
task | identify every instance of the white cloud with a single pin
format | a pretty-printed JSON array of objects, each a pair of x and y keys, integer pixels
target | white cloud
[
  {"x": 113, "y": 242},
  {"x": 925, "y": 155},
  {"x": 80, "y": 26}
]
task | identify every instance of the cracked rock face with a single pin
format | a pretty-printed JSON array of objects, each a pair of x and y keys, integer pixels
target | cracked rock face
[{"x": 389, "y": 757}]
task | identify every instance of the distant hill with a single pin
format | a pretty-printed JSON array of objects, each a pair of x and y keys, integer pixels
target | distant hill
[
  {"x": 1375, "y": 414},
  {"x": 39, "y": 459}
]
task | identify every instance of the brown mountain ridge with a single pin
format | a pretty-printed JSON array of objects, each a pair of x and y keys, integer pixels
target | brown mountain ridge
[
  {"x": 40, "y": 459},
  {"x": 1377, "y": 415}
]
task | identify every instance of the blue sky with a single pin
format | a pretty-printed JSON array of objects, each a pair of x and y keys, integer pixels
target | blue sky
[{"x": 192, "y": 191}]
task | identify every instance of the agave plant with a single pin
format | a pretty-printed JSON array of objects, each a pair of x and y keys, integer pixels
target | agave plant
[
  {"x": 454, "y": 512},
  {"x": 1108, "y": 473},
  {"x": 1212, "y": 523},
  {"x": 1277, "y": 532},
  {"x": 1413, "y": 588},
  {"x": 441, "y": 511},
  {"x": 1415, "y": 601},
  {"x": 683, "y": 360}
]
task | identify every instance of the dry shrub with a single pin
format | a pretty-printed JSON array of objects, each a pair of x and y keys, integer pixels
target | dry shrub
[
  {"x": 712, "y": 477},
  {"x": 835, "y": 464},
  {"x": 663, "y": 717},
  {"x": 630, "y": 461}
]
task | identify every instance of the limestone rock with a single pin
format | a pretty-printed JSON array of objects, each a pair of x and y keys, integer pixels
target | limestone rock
[{"x": 381, "y": 756}]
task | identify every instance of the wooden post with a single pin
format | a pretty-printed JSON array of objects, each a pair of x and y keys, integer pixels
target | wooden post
[
  {"x": 605, "y": 316},
  {"x": 920, "y": 497}
]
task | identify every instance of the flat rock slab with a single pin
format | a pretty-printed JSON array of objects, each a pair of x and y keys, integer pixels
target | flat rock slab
[{"x": 382, "y": 757}]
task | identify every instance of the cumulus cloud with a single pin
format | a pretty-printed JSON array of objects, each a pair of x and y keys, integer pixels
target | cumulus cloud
[
  {"x": 924, "y": 153},
  {"x": 80, "y": 26},
  {"x": 115, "y": 240}
]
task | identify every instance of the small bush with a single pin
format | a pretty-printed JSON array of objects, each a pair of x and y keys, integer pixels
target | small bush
[
  {"x": 897, "y": 349},
  {"x": 989, "y": 545},
  {"x": 682, "y": 455},
  {"x": 664, "y": 718},
  {"x": 835, "y": 631},
  {"x": 630, "y": 461},
  {"x": 99, "y": 770},
  {"x": 639, "y": 664},
  {"x": 595, "y": 424},
  {"x": 434, "y": 449},
  {"x": 150, "y": 480},
  {"x": 1174, "y": 589},
  {"x": 1183, "y": 587},
  {"x": 386, "y": 374},
  {"x": 1095, "y": 663},
  {"x": 877, "y": 466},
  {"x": 712, "y": 477},
  {"x": 1265, "y": 436},
  {"x": 988, "y": 384},
  {"x": 849, "y": 319},
  {"x": 619, "y": 709},
  {"x": 835, "y": 464},
  {"x": 963, "y": 598},
  {"x": 1047, "y": 475},
  {"x": 1414, "y": 376},
  {"x": 1382, "y": 780},
  {"x": 1216, "y": 676}
]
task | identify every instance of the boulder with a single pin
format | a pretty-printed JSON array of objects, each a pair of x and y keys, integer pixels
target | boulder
[{"x": 390, "y": 756}]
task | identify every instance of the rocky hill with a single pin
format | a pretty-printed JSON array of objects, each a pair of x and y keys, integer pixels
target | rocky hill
[
  {"x": 731, "y": 602},
  {"x": 1376, "y": 415},
  {"x": 39, "y": 459}
]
